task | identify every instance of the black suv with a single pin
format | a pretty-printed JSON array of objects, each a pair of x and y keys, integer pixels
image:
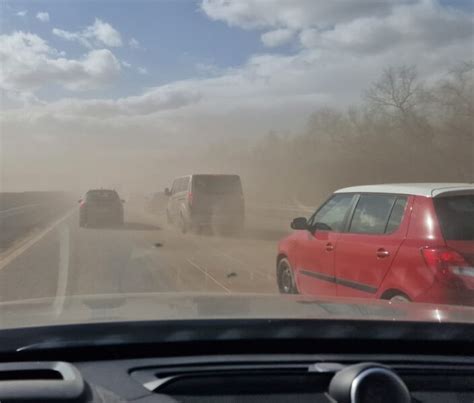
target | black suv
[
  {"x": 101, "y": 206},
  {"x": 197, "y": 201}
]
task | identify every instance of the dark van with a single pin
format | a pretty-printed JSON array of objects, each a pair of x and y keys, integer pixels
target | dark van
[
  {"x": 101, "y": 206},
  {"x": 198, "y": 201}
]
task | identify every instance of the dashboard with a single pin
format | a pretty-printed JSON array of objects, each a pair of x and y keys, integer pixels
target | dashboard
[{"x": 225, "y": 361}]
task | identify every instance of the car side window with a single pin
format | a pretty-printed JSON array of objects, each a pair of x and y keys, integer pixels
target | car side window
[
  {"x": 185, "y": 183},
  {"x": 396, "y": 215},
  {"x": 331, "y": 216},
  {"x": 182, "y": 182},
  {"x": 174, "y": 188},
  {"x": 372, "y": 213}
]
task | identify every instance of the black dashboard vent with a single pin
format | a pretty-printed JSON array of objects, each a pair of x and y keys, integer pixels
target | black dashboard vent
[
  {"x": 244, "y": 379},
  {"x": 32, "y": 375}
]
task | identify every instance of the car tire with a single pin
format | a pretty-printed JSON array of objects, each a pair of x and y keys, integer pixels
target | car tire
[
  {"x": 395, "y": 296},
  {"x": 183, "y": 225},
  {"x": 285, "y": 277},
  {"x": 399, "y": 298}
]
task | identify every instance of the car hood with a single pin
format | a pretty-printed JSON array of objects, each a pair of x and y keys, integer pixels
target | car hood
[{"x": 164, "y": 306}]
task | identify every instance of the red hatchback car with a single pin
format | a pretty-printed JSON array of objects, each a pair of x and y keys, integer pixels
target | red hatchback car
[{"x": 411, "y": 242}]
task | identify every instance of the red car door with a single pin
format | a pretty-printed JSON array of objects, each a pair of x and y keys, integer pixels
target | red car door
[
  {"x": 315, "y": 247},
  {"x": 365, "y": 252}
]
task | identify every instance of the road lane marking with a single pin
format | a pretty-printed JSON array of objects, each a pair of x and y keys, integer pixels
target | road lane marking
[
  {"x": 245, "y": 264},
  {"x": 11, "y": 256},
  {"x": 198, "y": 243},
  {"x": 63, "y": 270},
  {"x": 197, "y": 267}
]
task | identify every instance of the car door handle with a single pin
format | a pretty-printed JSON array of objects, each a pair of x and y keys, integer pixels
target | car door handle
[
  {"x": 381, "y": 253},
  {"x": 329, "y": 247}
]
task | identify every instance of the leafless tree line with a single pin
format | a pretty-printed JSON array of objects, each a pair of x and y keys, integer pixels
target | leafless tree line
[{"x": 404, "y": 130}]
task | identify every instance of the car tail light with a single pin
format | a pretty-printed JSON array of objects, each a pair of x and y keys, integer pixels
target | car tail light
[
  {"x": 447, "y": 264},
  {"x": 190, "y": 198},
  {"x": 83, "y": 204}
]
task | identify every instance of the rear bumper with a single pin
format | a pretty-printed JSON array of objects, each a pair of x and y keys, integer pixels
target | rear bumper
[
  {"x": 103, "y": 216},
  {"x": 204, "y": 219},
  {"x": 442, "y": 294}
]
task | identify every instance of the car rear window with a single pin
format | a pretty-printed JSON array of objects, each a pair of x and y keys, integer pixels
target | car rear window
[
  {"x": 217, "y": 184},
  {"x": 102, "y": 195},
  {"x": 456, "y": 217}
]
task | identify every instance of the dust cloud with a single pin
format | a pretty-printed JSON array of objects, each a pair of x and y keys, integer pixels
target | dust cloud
[{"x": 402, "y": 130}]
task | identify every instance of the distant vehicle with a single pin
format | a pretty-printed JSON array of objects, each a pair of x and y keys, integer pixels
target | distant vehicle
[
  {"x": 156, "y": 202},
  {"x": 101, "y": 206},
  {"x": 405, "y": 242},
  {"x": 198, "y": 201}
]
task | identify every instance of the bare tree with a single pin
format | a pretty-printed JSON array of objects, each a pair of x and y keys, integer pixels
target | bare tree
[
  {"x": 396, "y": 92},
  {"x": 456, "y": 94}
]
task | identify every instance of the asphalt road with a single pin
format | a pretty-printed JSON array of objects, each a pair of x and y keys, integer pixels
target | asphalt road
[{"x": 145, "y": 255}]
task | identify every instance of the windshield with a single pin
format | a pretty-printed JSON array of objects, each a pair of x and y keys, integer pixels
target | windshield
[
  {"x": 101, "y": 195},
  {"x": 248, "y": 158}
]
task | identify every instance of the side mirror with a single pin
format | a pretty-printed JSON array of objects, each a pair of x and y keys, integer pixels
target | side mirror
[
  {"x": 79, "y": 201},
  {"x": 299, "y": 223},
  {"x": 167, "y": 192}
]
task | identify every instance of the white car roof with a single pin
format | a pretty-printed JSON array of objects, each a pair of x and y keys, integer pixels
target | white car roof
[{"x": 417, "y": 189}]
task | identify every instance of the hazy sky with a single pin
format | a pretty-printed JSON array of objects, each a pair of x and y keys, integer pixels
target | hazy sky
[{"x": 85, "y": 81}]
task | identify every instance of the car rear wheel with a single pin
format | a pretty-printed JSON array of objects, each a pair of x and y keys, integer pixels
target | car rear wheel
[
  {"x": 183, "y": 225},
  {"x": 399, "y": 298},
  {"x": 395, "y": 296},
  {"x": 286, "y": 282}
]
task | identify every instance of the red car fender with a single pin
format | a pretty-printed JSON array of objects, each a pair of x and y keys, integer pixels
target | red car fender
[{"x": 286, "y": 248}]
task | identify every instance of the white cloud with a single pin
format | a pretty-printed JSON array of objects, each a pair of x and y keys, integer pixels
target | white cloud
[
  {"x": 104, "y": 33},
  {"x": 28, "y": 63},
  {"x": 22, "y": 13},
  {"x": 126, "y": 64},
  {"x": 69, "y": 36},
  {"x": 72, "y": 36},
  {"x": 277, "y": 37},
  {"x": 425, "y": 24},
  {"x": 134, "y": 44},
  {"x": 152, "y": 101},
  {"x": 43, "y": 16},
  {"x": 335, "y": 61},
  {"x": 362, "y": 26},
  {"x": 279, "y": 91},
  {"x": 142, "y": 70},
  {"x": 100, "y": 33},
  {"x": 293, "y": 14}
]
